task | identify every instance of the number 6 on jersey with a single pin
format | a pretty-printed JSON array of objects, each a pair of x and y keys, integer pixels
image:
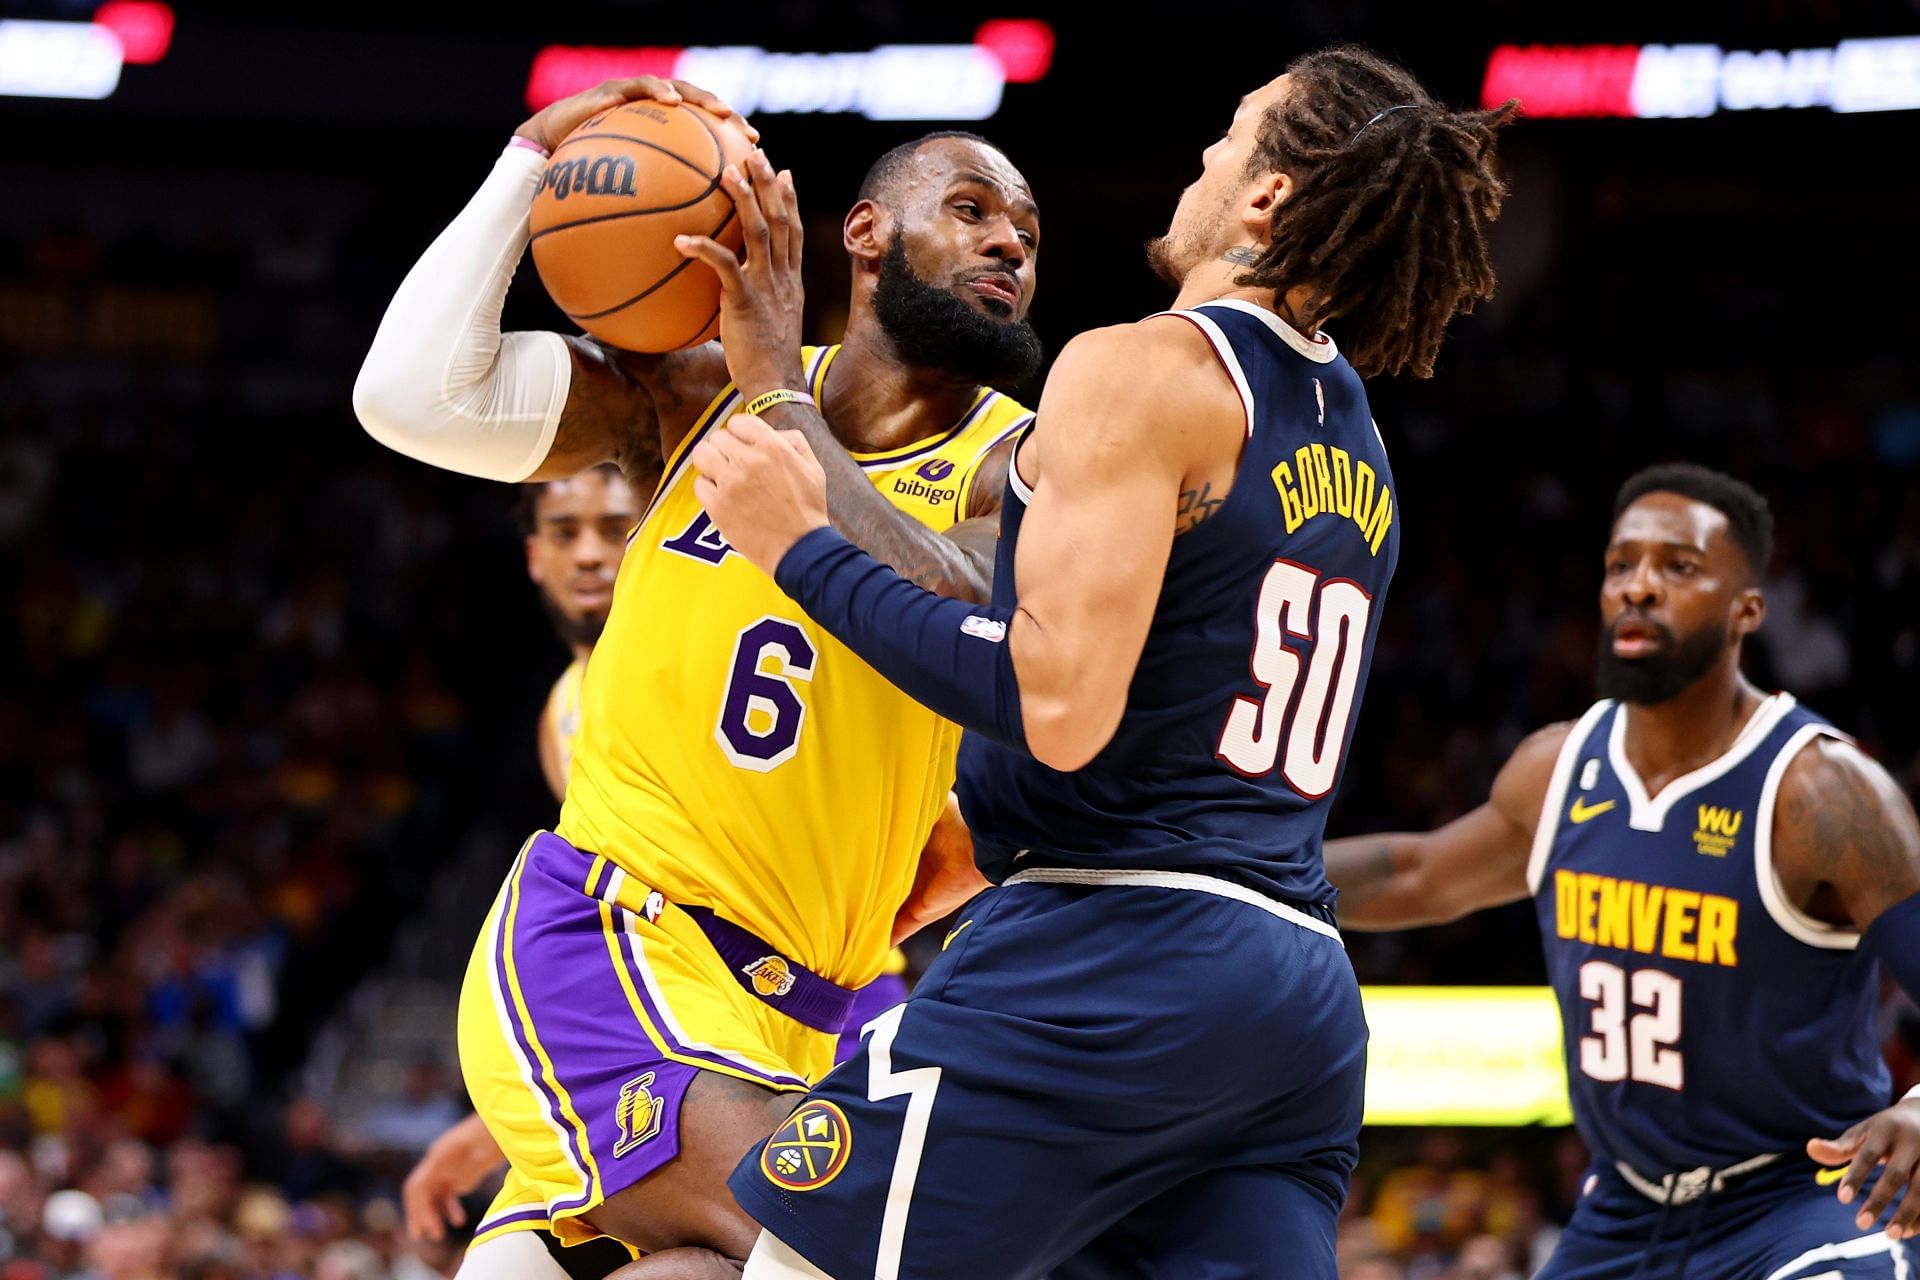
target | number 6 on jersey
[
  {"x": 761, "y": 713},
  {"x": 1313, "y": 735}
]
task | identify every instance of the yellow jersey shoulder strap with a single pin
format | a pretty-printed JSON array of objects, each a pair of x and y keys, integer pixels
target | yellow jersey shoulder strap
[
  {"x": 725, "y": 403},
  {"x": 1003, "y": 421}
]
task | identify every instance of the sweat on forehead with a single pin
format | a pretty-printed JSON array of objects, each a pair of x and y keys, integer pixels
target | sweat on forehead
[{"x": 925, "y": 154}]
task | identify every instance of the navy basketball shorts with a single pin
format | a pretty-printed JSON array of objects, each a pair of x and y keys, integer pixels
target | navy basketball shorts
[
  {"x": 1147, "y": 1074},
  {"x": 1783, "y": 1223}
]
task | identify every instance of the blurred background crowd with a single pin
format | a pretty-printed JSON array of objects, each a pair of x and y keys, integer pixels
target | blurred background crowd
[{"x": 271, "y": 690}]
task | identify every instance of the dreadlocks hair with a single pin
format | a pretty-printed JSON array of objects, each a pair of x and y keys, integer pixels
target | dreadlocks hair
[
  {"x": 1393, "y": 193},
  {"x": 526, "y": 499},
  {"x": 1749, "y": 517},
  {"x": 893, "y": 163}
]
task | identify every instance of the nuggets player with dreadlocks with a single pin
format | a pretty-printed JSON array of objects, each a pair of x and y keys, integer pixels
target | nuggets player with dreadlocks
[{"x": 1143, "y": 1053}]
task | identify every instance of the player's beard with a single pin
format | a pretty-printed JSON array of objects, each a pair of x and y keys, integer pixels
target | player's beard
[
  {"x": 583, "y": 630},
  {"x": 1658, "y": 677},
  {"x": 931, "y": 328},
  {"x": 1171, "y": 256},
  {"x": 1160, "y": 258}
]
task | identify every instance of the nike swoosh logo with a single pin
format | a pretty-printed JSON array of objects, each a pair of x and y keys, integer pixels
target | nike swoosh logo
[
  {"x": 1584, "y": 812},
  {"x": 958, "y": 930},
  {"x": 1827, "y": 1177}
]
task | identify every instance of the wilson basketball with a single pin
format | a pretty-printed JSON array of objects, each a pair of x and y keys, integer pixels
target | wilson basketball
[{"x": 617, "y": 191}]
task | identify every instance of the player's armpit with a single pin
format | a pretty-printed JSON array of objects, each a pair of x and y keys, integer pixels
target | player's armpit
[
  {"x": 978, "y": 536},
  {"x": 1846, "y": 845},
  {"x": 1479, "y": 860},
  {"x": 986, "y": 488},
  {"x": 1126, "y": 413},
  {"x": 630, "y": 409}
]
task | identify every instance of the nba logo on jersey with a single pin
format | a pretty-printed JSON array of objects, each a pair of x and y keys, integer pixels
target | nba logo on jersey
[{"x": 984, "y": 628}]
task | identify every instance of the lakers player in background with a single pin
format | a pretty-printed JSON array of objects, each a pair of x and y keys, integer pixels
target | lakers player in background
[
  {"x": 748, "y": 803},
  {"x": 1716, "y": 872},
  {"x": 575, "y": 531}
]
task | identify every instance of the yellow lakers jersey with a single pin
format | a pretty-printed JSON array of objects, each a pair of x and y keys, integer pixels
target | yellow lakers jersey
[
  {"x": 563, "y": 712},
  {"x": 733, "y": 754}
]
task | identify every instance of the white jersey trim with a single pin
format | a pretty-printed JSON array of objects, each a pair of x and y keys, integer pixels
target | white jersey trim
[
  {"x": 1021, "y": 489},
  {"x": 1644, "y": 814},
  {"x": 1174, "y": 880},
  {"x": 1217, "y": 339},
  {"x": 1793, "y": 921},
  {"x": 1319, "y": 349},
  {"x": 1859, "y": 1247},
  {"x": 1556, "y": 799},
  {"x": 508, "y": 1020}
]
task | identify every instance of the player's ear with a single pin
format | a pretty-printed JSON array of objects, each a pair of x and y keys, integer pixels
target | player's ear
[
  {"x": 1749, "y": 611},
  {"x": 1263, "y": 200},
  {"x": 863, "y": 234}
]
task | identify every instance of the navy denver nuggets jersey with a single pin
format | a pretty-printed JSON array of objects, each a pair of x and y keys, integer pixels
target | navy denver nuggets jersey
[
  {"x": 1707, "y": 1020},
  {"x": 1238, "y": 718}
]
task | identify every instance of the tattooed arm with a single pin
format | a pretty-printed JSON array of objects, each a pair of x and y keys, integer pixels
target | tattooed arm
[
  {"x": 1478, "y": 860},
  {"x": 958, "y": 563},
  {"x": 1846, "y": 849},
  {"x": 1845, "y": 843},
  {"x": 1195, "y": 506}
]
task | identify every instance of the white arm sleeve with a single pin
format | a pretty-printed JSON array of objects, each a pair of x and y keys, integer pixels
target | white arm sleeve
[{"x": 441, "y": 383}]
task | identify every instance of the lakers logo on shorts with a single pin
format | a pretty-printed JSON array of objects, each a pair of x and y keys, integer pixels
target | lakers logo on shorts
[
  {"x": 638, "y": 1114},
  {"x": 771, "y": 975},
  {"x": 810, "y": 1149}
]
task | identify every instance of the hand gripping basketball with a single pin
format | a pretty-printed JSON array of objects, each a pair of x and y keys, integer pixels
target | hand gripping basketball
[
  {"x": 761, "y": 297},
  {"x": 557, "y": 120}
]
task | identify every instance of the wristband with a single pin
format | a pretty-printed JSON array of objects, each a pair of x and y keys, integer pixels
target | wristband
[
  {"x": 522, "y": 140},
  {"x": 1894, "y": 940},
  {"x": 781, "y": 395}
]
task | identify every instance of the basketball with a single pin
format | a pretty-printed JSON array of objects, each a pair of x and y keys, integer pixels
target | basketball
[{"x": 617, "y": 191}]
